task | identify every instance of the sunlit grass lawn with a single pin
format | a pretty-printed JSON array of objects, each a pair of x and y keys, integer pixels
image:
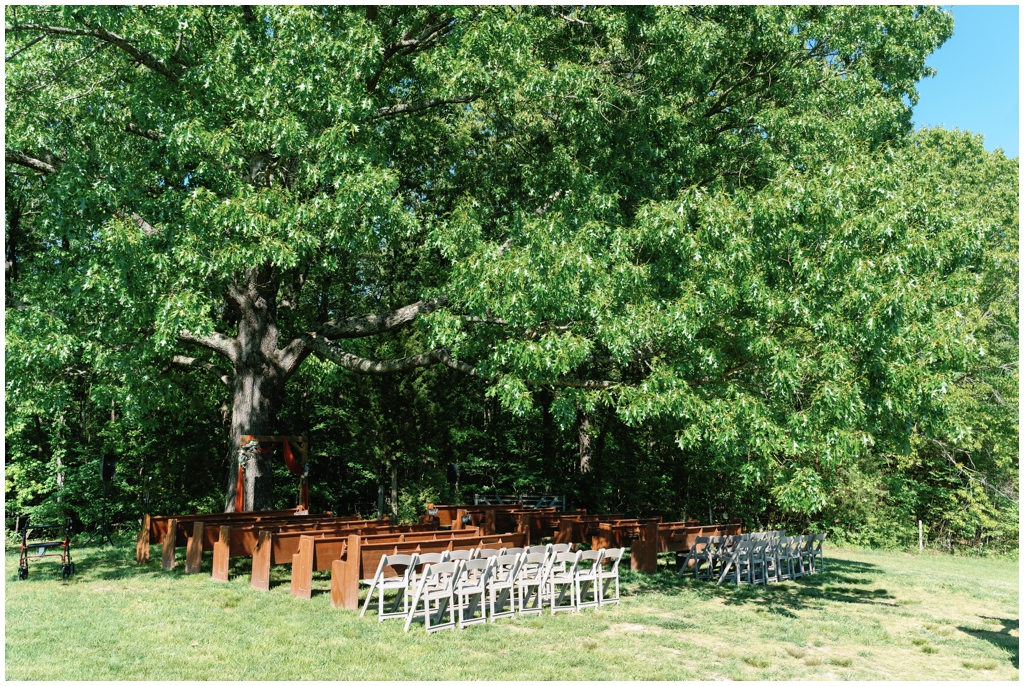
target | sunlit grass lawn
[{"x": 869, "y": 615}]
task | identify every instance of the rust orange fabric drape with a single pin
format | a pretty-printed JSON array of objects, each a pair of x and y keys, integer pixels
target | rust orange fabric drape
[{"x": 240, "y": 490}]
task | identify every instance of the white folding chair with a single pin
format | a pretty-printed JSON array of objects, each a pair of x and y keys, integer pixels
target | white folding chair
[
  {"x": 534, "y": 549},
  {"x": 471, "y": 591},
  {"x": 513, "y": 551},
  {"x": 462, "y": 554},
  {"x": 485, "y": 553},
  {"x": 422, "y": 560},
  {"x": 785, "y": 557},
  {"x": 771, "y": 559},
  {"x": 435, "y": 589},
  {"x": 699, "y": 553},
  {"x": 586, "y": 579},
  {"x": 815, "y": 552},
  {"x": 607, "y": 576},
  {"x": 532, "y": 574},
  {"x": 501, "y": 585},
  {"x": 555, "y": 549},
  {"x": 401, "y": 583},
  {"x": 804, "y": 549},
  {"x": 562, "y": 575}
]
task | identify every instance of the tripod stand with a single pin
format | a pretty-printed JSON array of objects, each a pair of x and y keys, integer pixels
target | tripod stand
[{"x": 102, "y": 530}]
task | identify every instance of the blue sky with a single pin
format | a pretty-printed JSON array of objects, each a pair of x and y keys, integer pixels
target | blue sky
[{"x": 977, "y": 87}]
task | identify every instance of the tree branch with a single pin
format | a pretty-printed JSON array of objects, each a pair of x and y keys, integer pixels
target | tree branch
[
  {"x": 51, "y": 167},
  {"x": 406, "y": 46},
  {"x": 217, "y": 342},
  {"x": 145, "y": 133},
  {"x": 25, "y": 47},
  {"x": 141, "y": 223},
  {"x": 194, "y": 363},
  {"x": 371, "y": 324},
  {"x": 324, "y": 349},
  {"x": 144, "y": 57},
  {"x": 291, "y": 356},
  {"x": 409, "y": 108}
]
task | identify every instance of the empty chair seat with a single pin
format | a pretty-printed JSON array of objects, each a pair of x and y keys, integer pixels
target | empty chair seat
[
  {"x": 608, "y": 575},
  {"x": 815, "y": 552},
  {"x": 501, "y": 585},
  {"x": 471, "y": 590},
  {"x": 698, "y": 554},
  {"x": 530, "y": 584},
  {"x": 404, "y": 566},
  {"x": 435, "y": 591},
  {"x": 785, "y": 558},
  {"x": 739, "y": 563},
  {"x": 770, "y": 569},
  {"x": 562, "y": 577},
  {"x": 586, "y": 579}
]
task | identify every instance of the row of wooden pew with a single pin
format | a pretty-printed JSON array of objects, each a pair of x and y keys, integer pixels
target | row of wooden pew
[
  {"x": 349, "y": 547},
  {"x": 645, "y": 537}
]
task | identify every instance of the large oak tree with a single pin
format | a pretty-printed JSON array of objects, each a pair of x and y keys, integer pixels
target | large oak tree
[{"x": 704, "y": 213}]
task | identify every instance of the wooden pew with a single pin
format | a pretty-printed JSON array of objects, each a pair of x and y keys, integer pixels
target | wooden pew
[
  {"x": 174, "y": 532},
  {"x": 243, "y": 540},
  {"x": 280, "y": 547},
  {"x": 451, "y": 515},
  {"x": 315, "y": 554},
  {"x": 155, "y": 527},
  {"x": 360, "y": 558}
]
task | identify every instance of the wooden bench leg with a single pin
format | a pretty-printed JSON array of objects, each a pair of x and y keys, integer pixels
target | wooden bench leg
[
  {"x": 142, "y": 542},
  {"x": 345, "y": 576},
  {"x": 222, "y": 554},
  {"x": 523, "y": 527},
  {"x": 342, "y": 596},
  {"x": 194, "y": 551},
  {"x": 261, "y": 562},
  {"x": 302, "y": 569},
  {"x": 167, "y": 558},
  {"x": 643, "y": 552}
]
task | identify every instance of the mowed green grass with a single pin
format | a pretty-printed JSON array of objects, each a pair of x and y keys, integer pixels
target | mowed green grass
[{"x": 869, "y": 615}]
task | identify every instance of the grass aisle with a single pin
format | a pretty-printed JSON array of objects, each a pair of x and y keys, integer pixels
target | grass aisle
[{"x": 869, "y": 615}]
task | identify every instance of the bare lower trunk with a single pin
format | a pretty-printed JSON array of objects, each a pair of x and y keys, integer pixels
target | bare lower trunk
[
  {"x": 585, "y": 451},
  {"x": 256, "y": 400},
  {"x": 394, "y": 492}
]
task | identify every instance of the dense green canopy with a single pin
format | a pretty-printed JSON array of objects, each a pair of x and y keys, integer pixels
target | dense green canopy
[{"x": 708, "y": 227}]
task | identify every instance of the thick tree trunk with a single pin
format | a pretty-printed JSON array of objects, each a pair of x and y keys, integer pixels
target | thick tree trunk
[
  {"x": 257, "y": 397},
  {"x": 257, "y": 386}
]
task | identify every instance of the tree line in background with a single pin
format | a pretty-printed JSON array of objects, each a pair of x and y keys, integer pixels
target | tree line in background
[{"x": 689, "y": 262}]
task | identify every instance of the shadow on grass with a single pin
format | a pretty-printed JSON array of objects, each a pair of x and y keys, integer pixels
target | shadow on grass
[
  {"x": 838, "y": 582},
  {"x": 1002, "y": 638}
]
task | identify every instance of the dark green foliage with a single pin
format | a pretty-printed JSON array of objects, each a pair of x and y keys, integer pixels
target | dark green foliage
[{"x": 694, "y": 257}]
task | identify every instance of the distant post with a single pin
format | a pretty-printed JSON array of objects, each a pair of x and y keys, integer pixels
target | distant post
[{"x": 920, "y": 535}]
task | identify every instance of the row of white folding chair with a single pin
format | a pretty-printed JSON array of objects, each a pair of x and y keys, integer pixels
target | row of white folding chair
[
  {"x": 405, "y": 582},
  {"x": 470, "y": 586},
  {"x": 762, "y": 560},
  {"x": 545, "y": 574}
]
